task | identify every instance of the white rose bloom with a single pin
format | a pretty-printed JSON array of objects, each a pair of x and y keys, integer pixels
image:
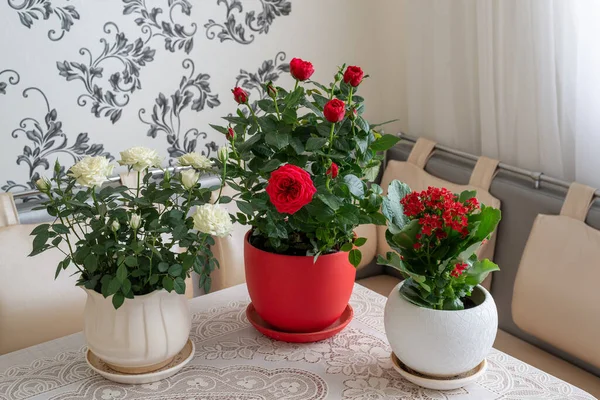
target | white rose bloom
[
  {"x": 213, "y": 220},
  {"x": 195, "y": 160},
  {"x": 140, "y": 158},
  {"x": 189, "y": 178},
  {"x": 43, "y": 184},
  {"x": 223, "y": 154},
  {"x": 136, "y": 221},
  {"x": 91, "y": 171}
]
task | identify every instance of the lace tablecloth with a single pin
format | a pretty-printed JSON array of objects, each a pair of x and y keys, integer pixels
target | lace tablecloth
[{"x": 234, "y": 361}]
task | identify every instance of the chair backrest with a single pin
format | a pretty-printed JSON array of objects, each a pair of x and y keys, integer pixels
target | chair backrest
[
  {"x": 412, "y": 172},
  {"x": 556, "y": 296},
  {"x": 34, "y": 307}
]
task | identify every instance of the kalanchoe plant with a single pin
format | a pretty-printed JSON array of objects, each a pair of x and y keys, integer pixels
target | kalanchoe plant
[
  {"x": 436, "y": 234},
  {"x": 301, "y": 165},
  {"x": 125, "y": 241}
]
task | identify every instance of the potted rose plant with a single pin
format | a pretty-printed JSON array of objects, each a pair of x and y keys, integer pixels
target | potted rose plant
[
  {"x": 122, "y": 242},
  {"x": 439, "y": 320},
  {"x": 300, "y": 165}
]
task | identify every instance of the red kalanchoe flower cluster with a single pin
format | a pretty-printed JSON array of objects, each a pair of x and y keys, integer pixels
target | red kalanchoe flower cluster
[
  {"x": 438, "y": 209},
  {"x": 240, "y": 95},
  {"x": 459, "y": 268}
]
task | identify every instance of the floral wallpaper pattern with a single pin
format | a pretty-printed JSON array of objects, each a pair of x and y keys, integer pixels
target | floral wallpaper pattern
[{"x": 92, "y": 77}]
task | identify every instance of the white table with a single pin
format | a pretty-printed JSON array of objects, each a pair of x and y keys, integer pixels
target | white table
[{"x": 234, "y": 361}]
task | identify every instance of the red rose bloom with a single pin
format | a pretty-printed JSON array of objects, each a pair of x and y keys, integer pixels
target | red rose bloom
[
  {"x": 230, "y": 133},
  {"x": 353, "y": 76},
  {"x": 240, "y": 95},
  {"x": 333, "y": 170},
  {"x": 290, "y": 188},
  {"x": 300, "y": 69},
  {"x": 334, "y": 110}
]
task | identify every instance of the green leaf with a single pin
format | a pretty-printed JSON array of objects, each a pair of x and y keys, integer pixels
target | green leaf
[
  {"x": 268, "y": 124},
  {"x": 207, "y": 284},
  {"x": 297, "y": 144},
  {"x": 371, "y": 173},
  {"x": 60, "y": 228},
  {"x": 320, "y": 100},
  {"x": 332, "y": 201},
  {"x": 488, "y": 218},
  {"x": 118, "y": 300},
  {"x": 40, "y": 228},
  {"x": 346, "y": 247},
  {"x": 168, "y": 283},
  {"x": 40, "y": 241},
  {"x": 122, "y": 273},
  {"x": 247, "y": 145},
  {"x": 179, "y": 285},
  {"x": 245, "y": 207},
  {"x": 391, "y": 207},
  {"x": 363, "y": 124},
  {"x": 220, "y": 129},
  {"x": 114, "y": 286},
  {"x": 294, "y": 97},
  {"x": 384, "y": 143},
  {"x": 126, "y": 286},
  {"x": 277, "y": 139},
  {"x": 479, "y": 271},
  {"x": 163, "y": 266},
  {"x": 383, "y": 123},
  {"x": 131, "y": 261},
  {"x": 410, "y": 292},
  {"x": 91, "y": 263},
  {"x": 271, "y": 165},
  {"x": 355, "y": 185},
  {"x": 315, "y": 143},
  {"x": 360, "y": 241},
  {"x": 175, "y": 270},
  {"x": 354, "y": 256},
  {"x": 466, "y": 195},
  {"x": 289, "y": 116}
]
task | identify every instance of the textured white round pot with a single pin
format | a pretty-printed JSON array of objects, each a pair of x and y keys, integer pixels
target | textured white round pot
[
  {"x": 441, "y": 343},
  {"x": 143, "y": 335}
]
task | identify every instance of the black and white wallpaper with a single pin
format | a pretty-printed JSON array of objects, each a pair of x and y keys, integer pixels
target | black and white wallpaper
[{"x": 94, "y": 77}]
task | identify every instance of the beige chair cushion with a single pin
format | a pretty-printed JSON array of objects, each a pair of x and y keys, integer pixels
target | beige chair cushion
[
  {"x": 34, "y": 308},
  {"x": 412, "y": 173},
  {"x": 538, "y": 358},
  {"x": 382, "y": 284},
  {"x": 556, "y": 296}
]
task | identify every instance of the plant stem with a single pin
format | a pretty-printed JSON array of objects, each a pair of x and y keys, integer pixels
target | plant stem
[
  {"x": 296, "y": 86},
  {"x": 277, "y": 109},
  {"x": 331, "y": 135},
  {"x": 350, "y": 96}
]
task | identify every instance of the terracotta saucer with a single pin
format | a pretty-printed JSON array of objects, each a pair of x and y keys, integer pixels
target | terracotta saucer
[
  {"x": 180, "y": 360},
  {"x": 437, "y": 383},
  {"x": 291, "y": 337}
]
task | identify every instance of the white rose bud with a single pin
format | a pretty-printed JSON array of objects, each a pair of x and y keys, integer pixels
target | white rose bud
[
  {"x": 136, "y": 221},
  {"x": 43, "y": 184},
  {"x": 189, "y": 178},
  {"x": 213, "y": 220},
  {"x": 140, "y": 158},
  {"x": 196, "y": 161},
  {"x": 91, "y": 171},
  {"x": 223, "y": 154},
  {"x": 115, "y": 225}
]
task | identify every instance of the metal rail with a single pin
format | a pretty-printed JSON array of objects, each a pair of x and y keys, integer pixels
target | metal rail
[{"x": 536, "y": 177}]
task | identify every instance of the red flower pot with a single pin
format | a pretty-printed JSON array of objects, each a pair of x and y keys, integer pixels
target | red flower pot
[{"x": 292, "y": 293}]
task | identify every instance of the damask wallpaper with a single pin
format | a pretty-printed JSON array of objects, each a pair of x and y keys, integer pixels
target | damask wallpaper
[{"x": 91, "y": 77}]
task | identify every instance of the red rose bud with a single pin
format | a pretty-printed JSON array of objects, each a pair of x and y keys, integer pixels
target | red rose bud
[
  {"x": 290, "y": 188},
  {"x": 333, "y": 170},
  {"x": 353, "y": 76},
  {"x": 271, "y": 91},
  {"x": 352, "y": 114},
  {"x": 240, "y": 95},
  {"x": 300, "y": 69},
  {"x": 334, "y": 110},
  {"x": 230, "y": 133}
]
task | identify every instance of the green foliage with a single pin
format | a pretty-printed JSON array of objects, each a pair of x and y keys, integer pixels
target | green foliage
[
  {"x": 429, "y": 262},
  {"x": 291, "y": 129},
  {"x": 127, "y": 262}
]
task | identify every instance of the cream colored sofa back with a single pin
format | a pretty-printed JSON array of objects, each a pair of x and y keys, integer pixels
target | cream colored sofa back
[{"x": 34, "y": 307}]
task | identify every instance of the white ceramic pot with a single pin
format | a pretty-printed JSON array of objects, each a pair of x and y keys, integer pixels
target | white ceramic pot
[
  {"x": 437, "y": 342},
  {"x": 143, "y": 335}
]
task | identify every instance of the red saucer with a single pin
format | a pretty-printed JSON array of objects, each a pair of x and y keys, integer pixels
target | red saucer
[{"x": 308, "y": 337}]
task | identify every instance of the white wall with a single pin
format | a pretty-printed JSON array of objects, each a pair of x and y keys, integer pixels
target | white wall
[{"x": 34, "y": 134}]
